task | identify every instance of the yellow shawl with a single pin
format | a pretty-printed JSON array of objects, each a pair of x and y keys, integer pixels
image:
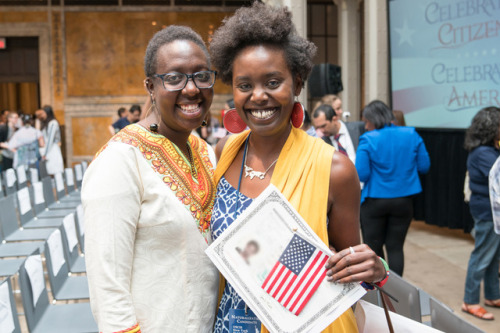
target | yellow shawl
[{"x": 302, "y": 174}]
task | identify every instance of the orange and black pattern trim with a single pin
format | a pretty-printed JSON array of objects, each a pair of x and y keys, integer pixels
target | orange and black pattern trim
[
  {"x": 134, "y": 329},
  {"x": 196, "y": 193}
]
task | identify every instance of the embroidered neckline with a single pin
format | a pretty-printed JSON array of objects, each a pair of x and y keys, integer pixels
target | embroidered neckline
[{"x": 197, "y": 194}]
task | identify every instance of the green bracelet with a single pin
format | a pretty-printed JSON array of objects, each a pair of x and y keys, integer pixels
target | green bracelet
[{"x": 384, "y": 263}]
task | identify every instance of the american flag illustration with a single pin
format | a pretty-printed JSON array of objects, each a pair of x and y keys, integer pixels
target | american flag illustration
[{"x": 297, "y": 274}]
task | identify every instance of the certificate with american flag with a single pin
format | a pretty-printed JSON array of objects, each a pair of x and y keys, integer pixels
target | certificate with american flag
[
  {"x": 276, "y": 263},
  {"x": 297, "y": 274}
]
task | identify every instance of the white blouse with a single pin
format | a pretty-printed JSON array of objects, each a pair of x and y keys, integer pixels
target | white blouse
[{"x": 144, "y": 253}]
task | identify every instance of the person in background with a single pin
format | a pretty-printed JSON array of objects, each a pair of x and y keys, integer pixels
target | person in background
[
  {"x": 389, "y": 161},
  {"x": 349, "y": 132},
  {"x": 482, "y": 142},
  {"x": 122, "y": 112},
  {"x": 307, "y": 125},
  {"x": 25, "y": 143},
  {"x": 133, "y": 116},
  {"x": 399, "y": 118},
  {"x": 6, "y": 133},
  {"x": 327, "y": 122},
  {"x": 3, "y": 117},
  {"x": 51, "y": 131}
]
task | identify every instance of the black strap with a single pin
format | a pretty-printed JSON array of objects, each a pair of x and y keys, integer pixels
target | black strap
[{"x": 386, "y": 303}]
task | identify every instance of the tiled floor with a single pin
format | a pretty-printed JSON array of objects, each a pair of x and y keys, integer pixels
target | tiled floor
[{"x": 436, "y": 261}]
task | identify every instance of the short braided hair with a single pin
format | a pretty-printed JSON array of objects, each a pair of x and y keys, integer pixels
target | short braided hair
[
  {"x": 168, "y": 35},
  {"x": 261, "y": 25}
]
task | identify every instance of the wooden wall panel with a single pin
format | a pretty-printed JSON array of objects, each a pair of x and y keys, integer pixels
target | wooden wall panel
[
  {"x": 105, "y": 50},
  {"x": 89, "y": 134},
  {"x": 25, "y": 17}
]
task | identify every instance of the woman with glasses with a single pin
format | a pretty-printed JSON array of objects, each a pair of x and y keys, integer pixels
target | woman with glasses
[{"x": 148, "y": 197}]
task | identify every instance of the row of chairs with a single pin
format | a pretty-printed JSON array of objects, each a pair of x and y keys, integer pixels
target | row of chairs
[
  {"x": 37, "y": 226},
  {"x": 12, "y": 180},
  {"x": 415, "y": 303}
]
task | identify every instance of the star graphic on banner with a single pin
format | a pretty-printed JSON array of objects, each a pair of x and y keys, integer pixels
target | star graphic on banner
[{"x": 405, "y": 34}]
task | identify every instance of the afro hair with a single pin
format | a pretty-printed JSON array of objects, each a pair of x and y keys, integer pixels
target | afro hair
[
  {"x": 168, "y": 35},
  {"x": 260, "y": 25}
]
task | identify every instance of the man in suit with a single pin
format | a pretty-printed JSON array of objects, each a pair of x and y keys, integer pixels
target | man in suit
[
  {"x": 327, "y": 122},
  {"x": 350, "y": 132}
]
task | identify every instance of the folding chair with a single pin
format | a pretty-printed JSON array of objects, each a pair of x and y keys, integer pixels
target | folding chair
[
  {"x": 64, "y": 287},
  {"x": 40, "y": 206},
  {"x": 26, "y": 214},
  {"x": 33, "y": 175},
  {"x": 19, "y": 249},
  {"x": 9, "y": 321},
  {"x": 443, "y": 319},
  {"x": 407, "y": 295},
  {"x": 10, "y": 229},
  {"x": 70, "y": 242},
  {"x": 78, "y": 175},
  {"x": 61, "y": 190},
  {"x": 9, "y": 267},
  {"x": 2, "y": 194},
  {"x": 372, "y": 296},
  {"x": 42, "y": 317},
  {"x": 80, "y": 227},
  {"x": 84, "y": 166},
  {"x": 48, "y": 193},
  {"x": 22, "y": 178},
  {"x": 10, "y": 181},
  {"x": 71, "y": 184}
]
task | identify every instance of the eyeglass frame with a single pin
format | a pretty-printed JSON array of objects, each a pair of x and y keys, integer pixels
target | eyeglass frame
[{"x": 188, "y": 77}]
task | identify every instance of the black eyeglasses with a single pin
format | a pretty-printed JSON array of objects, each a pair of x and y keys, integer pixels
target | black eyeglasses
[{"x": 178, "y": 81}]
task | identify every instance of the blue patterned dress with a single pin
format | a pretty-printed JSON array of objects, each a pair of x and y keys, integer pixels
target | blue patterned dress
[{"x": 223, "y": 215}]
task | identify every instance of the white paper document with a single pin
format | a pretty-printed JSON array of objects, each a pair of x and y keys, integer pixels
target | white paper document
[
  {"x": 10, "y": 177},
  {"x": 59, "y": 182},
  {"x": 6, "y": 316},
  {"x": 276, "y": 262},
  {"x": 24, "y": 200},
  {"x": 38, "y": 193},
  {"x": 70, "y": 181},
  {"x": 21, "y": 175},
  {"x": 81, "y": 219},
  {"x": 70, "y": 229},
  {"x": 34, "y": 269},
  {"x": 56, "y": 251}
]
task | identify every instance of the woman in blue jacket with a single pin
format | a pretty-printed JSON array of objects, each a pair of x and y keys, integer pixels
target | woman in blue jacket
[
  {"x": 482, "y": 142},
  {"x": 388, "y": 160}
]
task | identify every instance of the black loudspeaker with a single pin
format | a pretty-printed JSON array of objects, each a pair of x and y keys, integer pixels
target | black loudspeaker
[{"x": 325, "y": 79}]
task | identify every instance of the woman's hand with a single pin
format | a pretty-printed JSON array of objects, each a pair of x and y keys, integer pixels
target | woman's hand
[{"x": 362, "y": 265}]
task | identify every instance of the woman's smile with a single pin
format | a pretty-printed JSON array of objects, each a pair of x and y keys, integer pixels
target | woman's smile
[
  {"x": 263, "y": 114},
  {"x": 192, "y": 110}
]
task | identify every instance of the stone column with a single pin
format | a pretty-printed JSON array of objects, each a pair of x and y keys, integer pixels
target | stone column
[
  {"x": 299, "y": 17},
  {"x": 349, "y": 55},
  {"x": 376, "y": 51}
]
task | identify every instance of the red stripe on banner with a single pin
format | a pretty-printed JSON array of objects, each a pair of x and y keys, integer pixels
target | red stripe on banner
[
  {"x": 287, "y": 288},
  {"x": 313, "y": 290},
  {"x": 270, "y": 275},
  {"x": 310, "y": 266},
  {"x": 276, "y": 279},
  {"x": 288, "y": 272}
]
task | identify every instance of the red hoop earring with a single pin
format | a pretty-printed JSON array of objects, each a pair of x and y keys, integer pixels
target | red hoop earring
[
  {"x": 233, "y": 122},
  {"x": 297, "y": 117}
]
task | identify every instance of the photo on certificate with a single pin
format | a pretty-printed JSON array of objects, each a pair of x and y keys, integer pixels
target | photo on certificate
[{"x": 276, "y": 263}]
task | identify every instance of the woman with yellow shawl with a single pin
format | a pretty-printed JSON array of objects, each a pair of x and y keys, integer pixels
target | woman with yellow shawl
[{"x": 258, "y": 52}]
